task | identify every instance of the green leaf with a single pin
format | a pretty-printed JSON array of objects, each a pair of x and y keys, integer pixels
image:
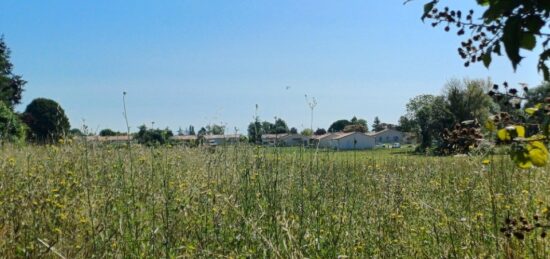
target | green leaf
[
  {"x": 428, "y": 8},
  {"x": 483, "y": 2},
  {"x": 534, "y": 23},
  {"x": 487, "y": 59},
  {"x": 528, "y": 41},
  {"x": 511, "y": 38}
]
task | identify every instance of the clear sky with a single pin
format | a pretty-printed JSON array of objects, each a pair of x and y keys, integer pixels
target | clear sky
[{"x": 199, "y": 62}]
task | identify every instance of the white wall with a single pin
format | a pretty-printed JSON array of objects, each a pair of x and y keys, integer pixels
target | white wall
[{"x": 356, "y": 140}]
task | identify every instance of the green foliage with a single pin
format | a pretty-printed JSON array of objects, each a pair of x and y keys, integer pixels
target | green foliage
[
  {"x": 280, "y": 126},
  {"x": 355, "y": 128},
  {"x": 76, "y": 132},
  {"x": 340, "y": 125},
  {"x": 86, "y": 201},
  {"x": 293, "y": 130},
  {"x": 11, "y": 86},
  {"x": 109, "y": 132},
  {"x": 153, "y": 137},
  {"x": 320, "y": 131},
  {"x": 307, "y": 132},
  {"x": 215, "y": 129},
  {"x": 255, "y": 131},
  {"x": 515, "y": 25},
  {"x": 12, "y": 129},
  {"x": 46, "y": 120}
]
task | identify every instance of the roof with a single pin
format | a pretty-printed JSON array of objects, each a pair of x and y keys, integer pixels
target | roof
[
  {"x": 274, "y": 136},
  {"x": 335, "y": 135},
  {"x": 382, "y": 131},
  {"x": 229, "y": 136},
  {"x": 108, "y": 138},
  {"x": 184, "y": 137}
]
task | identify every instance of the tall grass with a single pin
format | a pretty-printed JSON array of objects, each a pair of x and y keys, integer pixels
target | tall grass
[{"x": 83, "y": 200}]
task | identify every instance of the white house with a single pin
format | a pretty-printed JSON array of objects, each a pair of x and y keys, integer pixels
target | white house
[
  {"x": 344, "y": 141},
  {"x": 387, "y": 136},
  {"x": 215, "y": 140},
  {"x": 284, "y": 139}
]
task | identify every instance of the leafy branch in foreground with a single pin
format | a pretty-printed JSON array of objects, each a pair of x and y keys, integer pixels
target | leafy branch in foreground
[{"x": 514, "y": 25}]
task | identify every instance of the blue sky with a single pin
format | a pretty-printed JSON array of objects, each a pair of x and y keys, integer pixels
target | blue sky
[{"x": 200, "y": 62}]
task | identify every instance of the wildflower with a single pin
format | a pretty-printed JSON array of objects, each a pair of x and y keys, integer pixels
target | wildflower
[
  {"x": 486, "y": 161},
  {"x": 510, "y": 132}
]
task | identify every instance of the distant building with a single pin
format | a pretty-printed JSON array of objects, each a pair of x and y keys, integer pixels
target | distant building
[
  {"x": 344, "y": 141},
  {"x": 216, "y": 140},
  {"x": 184, "y": 139},
  {"x": 284, "y": 139},
  {"x": 387, "y": 136}
]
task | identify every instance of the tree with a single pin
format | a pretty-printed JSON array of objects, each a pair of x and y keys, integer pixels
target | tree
[
  {"x": 515, "y": 25},
  {"x": 191, "y": 130},
  {"x": 307, "y": 132},
  {"x": 431, "y": 116},
  {"x": 320, "y": 131},
  {"x": 338, "y": 125},
  {"x": 280, "y": 126},
  {"x": 406, "y": 124},
  {"x": 268, "y": 128},
  {"x": 202, "y": 132},
  {"x": 293, "y": 130},
  {"x": 376, "y": 126},
  {"x": 11, "y": 86},
  {"x": 46, "y": 120},
  {"x": 467, "y": 100},
  {"x": 538, "y": 94},
  {"x": 152, "y": 137},
  {"x": 108, "y": 132},
  {"x": 255, "y": 131},
  {"x": 215, "y": 129},
  {"x": 76, "y": 132},
  {"x": 355, "y": 128},
  {"x": 12, "y": 129}
]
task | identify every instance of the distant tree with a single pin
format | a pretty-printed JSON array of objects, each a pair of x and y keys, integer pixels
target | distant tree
[
  {"x": 255, "y": 131},
  {"x": 431, "y": 116},
  {"x": 406, "y": 124},
  {"x": 191, "y": 130},
  {"x": 107, "y": 132},
  {"x": 268, "y": 127},
  {"x": 202, "y": 131},
  {"x": 215, "y": 129},
  {"x": 181, "y": 132},
  {"x": 76, "y": 132},
  {"x": 293, "y": 130},
  {"x": 320, "y": 131},
  {"x": 355, "y": 128},
  {"x": 152, "y": 137},
  {"x": 11, "y": 86},
  {"x": 12, "y": 129},
  {"x": 46, "y": 120},
  {"x": 376, "y": 126},
  {"x": 338, "y": 125},
  {"x": 280, "y": 126},
  {"x": 307, "y": 132}
]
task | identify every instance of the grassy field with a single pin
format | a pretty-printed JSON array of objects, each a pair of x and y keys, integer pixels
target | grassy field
[{"x": 242, "y": 201}]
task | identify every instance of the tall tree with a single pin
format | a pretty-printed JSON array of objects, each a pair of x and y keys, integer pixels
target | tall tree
[
  {"x": 280, "y": 126},
  {"x": 11, "y": 85},
  {"x": 191, "y": 130},
  {"x": 215, "y": 129},
  {"x": 338, "y": 125}
]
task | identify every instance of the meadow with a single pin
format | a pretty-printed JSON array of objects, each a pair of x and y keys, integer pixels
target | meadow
[{"x": 84, "y": 200}]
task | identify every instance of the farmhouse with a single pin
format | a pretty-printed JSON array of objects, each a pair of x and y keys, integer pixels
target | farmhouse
[
  {"x": 284, "y": 139},
  {"x": 216, "y": 140},
  {"x": 184, "y": 139},
  {"x": 344, "y": 141},
  {"x": 387, "y": 136}
]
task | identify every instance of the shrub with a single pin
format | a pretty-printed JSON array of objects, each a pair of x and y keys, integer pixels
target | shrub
[
  {"x": 46, "y": 120},
  {"x": 11, "y": 127}
]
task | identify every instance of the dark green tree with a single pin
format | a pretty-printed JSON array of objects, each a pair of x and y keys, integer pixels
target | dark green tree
[
  {"x": 255, "y": 131},
  {"x": 293, "y": 130},
  {"x": 280, "y": 126},
  {"x": 76, "y": 132},
  {"x": 338, "y": 125},
  {"x": 153, "y": 137},
  {"x": 376, "y": 126},
  {"x": 505, "y": 24},
  {"x": 46, "y": 120},
  {"x": 11, "y": 85},
  {"x": 191, "y": 130},
  {"x": 108, "y": 132},
  {"x": 320, "y": 131}
]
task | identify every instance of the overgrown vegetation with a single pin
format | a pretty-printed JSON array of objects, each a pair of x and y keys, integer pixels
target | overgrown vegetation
[{"x": 83, "y": 200}]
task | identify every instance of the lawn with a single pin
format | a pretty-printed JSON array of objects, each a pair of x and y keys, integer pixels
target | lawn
[{"x": 84, "y": 200}]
